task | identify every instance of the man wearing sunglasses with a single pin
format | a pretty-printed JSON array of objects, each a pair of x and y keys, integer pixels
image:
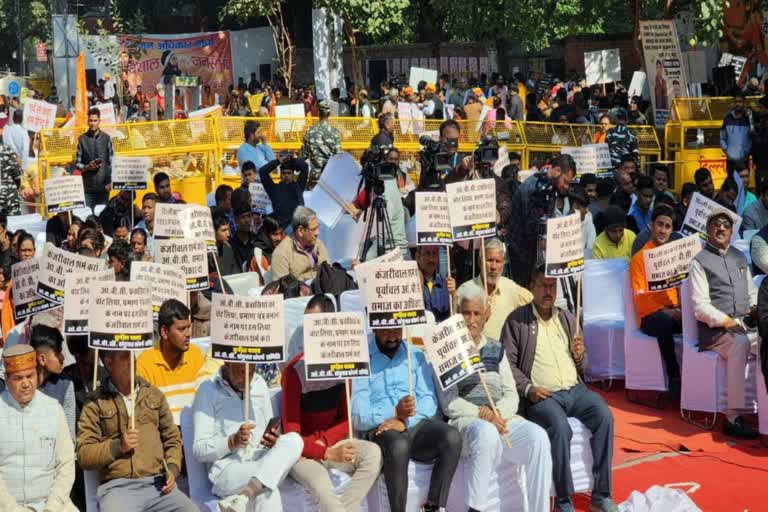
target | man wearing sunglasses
[{"x": 724, "y": 299}]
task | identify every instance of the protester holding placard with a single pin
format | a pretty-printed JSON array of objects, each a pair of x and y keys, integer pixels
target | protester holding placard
[
  {"x": 94, "y": 159},
  {"x": 26, "y": 251},
  {"x": 227, "y": 262},
  {"x": 148, "y": 220},
  {"x": 246, "y": 461},
  {"x": 137, "y": 465},
  {"x": 301, "y": 253},
  {"x": 548, "y": 358},
  {"x": 438, "y": 290},
  {"x": 724, "y": 304},
  {"x": 411, "y": 432},
  {"x": 468, "y": 409},
  {"x": 658, "y": 312}
]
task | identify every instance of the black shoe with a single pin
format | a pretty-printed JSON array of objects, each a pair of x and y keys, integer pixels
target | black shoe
[{"x": 739, "y": 429}]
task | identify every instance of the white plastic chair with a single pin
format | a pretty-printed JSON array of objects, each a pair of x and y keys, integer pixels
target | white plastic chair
[
  {"x": 644, "y": 368},
  {"x": 32, "y": 223},
  {"x": 604, "y": 318},
  {"x": 241, "y": 283},
  {"x": 294, "y": 325},
  {"x": 91, "y": 479},
  {"x": 82, "y": 213},
  {"x": 704, "y": 383},
  {"x": 98, "y": 209}
]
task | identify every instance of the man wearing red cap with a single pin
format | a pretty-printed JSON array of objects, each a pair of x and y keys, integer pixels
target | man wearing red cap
[{"x": 34, "y": 433}]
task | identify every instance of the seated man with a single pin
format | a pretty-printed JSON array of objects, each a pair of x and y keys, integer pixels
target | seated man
[
  {"x": 137, "y": 466},
  {"x": 241, "y": 469},
  {"x": 301, "y": 253},
  {"x": 37, "y": 460},
  {"x": 438, "y": 290},
  {"x": 616, "y": 240},
  {"x": 547, "y": 357},
  {"x": 162, "y": 184},
  {"x": 643, "y": 205},
  {"x": 758, "y": 250},
  {"x": 756, "y": 214},
  {"x": 401, "y": 424},
  {"x": 658, "y": 312},
  {"x": 468, "y": 409},
  {"x": 317, "y": 410},
  {"x": 147, "y": 223},
  {"x": 723, "y": 297},
  {"x": 173, "y": 365},
  {"x": 504, "y": 295}
]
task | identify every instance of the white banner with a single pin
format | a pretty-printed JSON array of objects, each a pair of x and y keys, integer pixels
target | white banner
[
  {"x": 472, "y": 206},
  {"x": 130, "y": 172},
  {"x": 77, "y": 298},
  {"x": 38, "y": 115},
  {"x": 63, "y": 194},
  {"x": 26, "y": 301},
  {"x": 602, "y": 66},
  {"x": 393, "y": 295},
  {"x": 335, "y": 346},
  {"x": 196, "y": 222},
  {"x": 165, "y": 281},
  {"x": 248, "y": 329},
  {"x": 260, "y": 201},
  {"x": 699, "y": 211},
  {"x": 433, "y": 220},
  {"x": 120, "y": 316},
  {"x": 167, "y": 220},
  {"x": 190, "y": 256},
  {"x": 565, "y": 246},
  {"x": 667, "y": 266},
  {"x": 663, "y": 66},
  {"x": 452, "y": 352},
  {"x": 56, "y": 264}
]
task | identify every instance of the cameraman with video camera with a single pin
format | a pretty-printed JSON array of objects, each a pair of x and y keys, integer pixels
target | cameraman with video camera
[{"x": 541, "y": 196}]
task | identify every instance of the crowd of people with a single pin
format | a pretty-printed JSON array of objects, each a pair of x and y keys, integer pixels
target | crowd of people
[{"x": 523, "y": 323}]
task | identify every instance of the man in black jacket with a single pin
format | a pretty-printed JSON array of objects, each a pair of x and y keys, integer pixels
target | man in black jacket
[
  {"x": 94, "y": 160},
  {"x": 289, "y": 193}
]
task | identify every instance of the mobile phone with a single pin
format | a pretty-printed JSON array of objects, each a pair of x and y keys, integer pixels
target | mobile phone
[{"x": 274, "y": 422}]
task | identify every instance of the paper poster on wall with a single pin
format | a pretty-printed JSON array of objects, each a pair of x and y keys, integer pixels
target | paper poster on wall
[
  {"x": 433, "y": 220},
  {"x": 393, "y": 295},
  {"x": 248, "y": 329},
  {"x": 565, "y": 246},
  {"x": 483, "y": 64},
  {"x": 432, "y": 64},
  {"x": 55, "y": 264},
  {"x": 26, "y": 301},
  {"x": 452, "y": 352},
  {"x": 77, "y": 298},
  {"x": 698, "y": 212},
  {"x": 196, "y": 222},
  {"x": 335, "y": 346},
  {"x": 190, "y": 256},
  {"x": 668, "y": 265},
  {"x": 38, "y": 115},
  {"x": 472, "y": 207},
  {"x": 602, "y": 66},
  {"x": 165, "y": 281},
  {"x": 63, "y": 194},
  {"x": 663, "y": 66},
  {"x": 120, "y": 316},
  {"x": 130, "y": 172}
]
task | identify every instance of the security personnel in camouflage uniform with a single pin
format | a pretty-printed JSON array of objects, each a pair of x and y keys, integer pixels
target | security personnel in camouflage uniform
[
  {"x": 10, "y": 178},
  {"x": 621, "y": 141},
  {"x": 321, "y": 142}
]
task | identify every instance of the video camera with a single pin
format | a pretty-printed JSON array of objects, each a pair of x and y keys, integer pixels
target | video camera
[
  {"x": 375, "y": 166},
  {"x": 436, "y": 156}
]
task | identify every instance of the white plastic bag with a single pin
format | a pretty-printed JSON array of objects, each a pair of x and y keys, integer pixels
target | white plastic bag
[{"x": 659, "y": 499}]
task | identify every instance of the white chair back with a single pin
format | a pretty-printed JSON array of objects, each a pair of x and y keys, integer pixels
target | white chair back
[
  {"x": 31, "y": 223},
  {"x": 294, "y": 322},
  {"x": 199, "y": 485},
  {"x": 241, "y": 283},
  {"x": 690, "y": 327},
  {"x": 91, "y": 480},
  {"x": 82, "y": 213},
  {"x": 98, "y": 209},
  {"x": 630, "y": 314},
  {"x": 603, "y": 289}
]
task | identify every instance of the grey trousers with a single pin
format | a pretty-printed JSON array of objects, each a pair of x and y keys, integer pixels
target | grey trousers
[
  {"x": 590, "y": 409},
  {"x": 142, "y": 495}
]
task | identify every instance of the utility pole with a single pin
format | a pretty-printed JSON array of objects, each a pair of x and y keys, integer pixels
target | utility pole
[{"x": 20, "y": 39}]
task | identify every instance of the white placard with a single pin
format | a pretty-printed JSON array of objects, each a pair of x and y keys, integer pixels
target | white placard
[
  {"x": 63, "y": 194},
  {"x": 602, "y": 156},
  {"x": 260, "y": 201},
  {"x": 77, "y": 298},
  {"x": 668, "y": 265},
  {"x": 472, "y": 206},
  {"x": 130, "y": 172},
  {"x": 394, "y": 295},
  {"x": 699, "y": 211},
  {"x": 362, "y": 269},
  {"x": 120, "y": 316},
  {"x": 602, "y": 66},
  {"x": 168, "y": 220},
  {"x": 107, "y": 114},
  {"x": 197, "y": 123},
  {"x": 56, "y": 264},
  {"x": 565, "y": 246},
  {"x": 418, "y": 74},
  {"x": 248, "y": 329},
  {"x": 188, "y": 255},
  {"x": 639, "y": 85},
  {"x": 433, "y": 220},
  {"x": 737, "y": 61},
  {"x": 166, "y": 282},
  {"x": 338, "y": 182},
  {"x": 26, "y": 302},
  {"x": 292, "y": 118},
  {"x": 335, "y": 346},
  {"x": 38, "y": 115},
  {"x": 451, "y": 352},
  {"x": 196, "y": 222},
  {"x": 585, "y": 158}
]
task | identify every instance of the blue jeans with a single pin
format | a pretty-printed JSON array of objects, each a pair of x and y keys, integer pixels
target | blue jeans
[{"x": 92, "y": 199}]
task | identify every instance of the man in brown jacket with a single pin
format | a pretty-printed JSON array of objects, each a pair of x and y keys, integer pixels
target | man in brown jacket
[
  {"x": 138, "y": 467},
  {"x": 301, "y": 253},
  {"x": 547, "y": 357}
]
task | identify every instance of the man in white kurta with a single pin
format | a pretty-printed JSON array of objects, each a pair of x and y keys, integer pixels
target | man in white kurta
[{"x": 37, "y": 459}]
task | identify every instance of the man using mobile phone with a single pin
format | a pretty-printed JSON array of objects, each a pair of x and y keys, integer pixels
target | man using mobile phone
[
  {"x": 243, "y": 468},
  {"x": 94, "y": 160}
]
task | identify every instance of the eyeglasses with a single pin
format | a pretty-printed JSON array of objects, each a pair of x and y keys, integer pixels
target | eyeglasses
[{"x": 722, "y": 223}]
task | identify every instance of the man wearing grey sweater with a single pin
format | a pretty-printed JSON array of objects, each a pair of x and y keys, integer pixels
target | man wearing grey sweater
[{"x": 469, "y": 410}]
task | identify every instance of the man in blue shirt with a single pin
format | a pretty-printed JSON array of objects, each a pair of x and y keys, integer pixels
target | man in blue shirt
[
  {"x": 643, "y": 206},
  {"x": 437, "y": 289},
  {"x": 255, "y": 148},
  {"x": 411, "y": 432}
]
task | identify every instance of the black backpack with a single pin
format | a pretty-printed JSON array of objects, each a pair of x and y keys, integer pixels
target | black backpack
[{"x": 332, "y": 279}]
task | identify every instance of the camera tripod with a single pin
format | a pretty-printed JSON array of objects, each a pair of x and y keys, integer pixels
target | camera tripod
[{"x": 377, "y": 219}]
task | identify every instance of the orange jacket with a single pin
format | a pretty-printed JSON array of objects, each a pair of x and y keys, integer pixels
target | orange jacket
[{"x": 646, "y": 302}]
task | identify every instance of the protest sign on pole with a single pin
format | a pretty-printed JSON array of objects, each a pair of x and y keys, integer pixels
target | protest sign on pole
[
  {"x": 167, "y": 221},
  {"x": 165, "y": 281},
  {"x": 77, "y": 298},
  {"x": 130, "y": 172},
  {"x": 602, "y": 156},
  {"x": 38, "y": 115},
  {"x": 120, "y": 316},
  {"x": 260, "y": 201},
  {"x": 699, "y": 210},
  {"x": 565, "y": 246},
  {"x": 362, "y": 269},
  {"x": 26, "y": 302},
  {"x": 602, "y": 66},
  {"x": 248, "y": 329},
  {"x": 393, "y": 295},
  {"x": 472, "y": 207},
  {"x": 667, "y": 266},
  {"x": 335, "y": 346},
  {"x": 585, "y": 158},
  {"x": 63, "y": 194},
  {"x": 417, "y": 75},
  {"x": 188, "y": 255},
  {"x": 196, "y": 222},
  {"x": 56, "y": 264},
  {"x": 433, "y": 220},
  {"x": 663, "y": 66},
  {"x": 451, "y": 352}
]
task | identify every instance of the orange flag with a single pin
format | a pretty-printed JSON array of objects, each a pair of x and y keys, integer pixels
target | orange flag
[{"x": 81, "y": 93}]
